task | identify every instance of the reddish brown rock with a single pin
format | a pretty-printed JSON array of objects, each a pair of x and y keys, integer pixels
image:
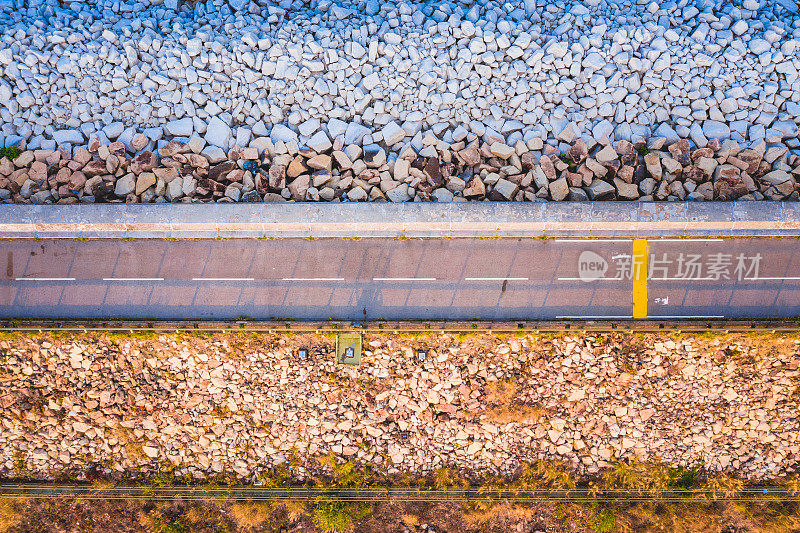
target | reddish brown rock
[
  {"x": 470, "y": 156},
  {"x": 726, "y": 172},
  {"x": 196, "y": 160},
  {"x": 433, "y": 172},
  {"x": 296, "y": 167},
  {"x": 262, "y": 183},
  {"x": 447, "y": 170},
  {"x": 574, "y": 179},
  {"x": 578, "y": 152},
  {"x": 702, "y": 152},
  {"x": 612, "y": 167},
  {"x": 587, "y": 173},
  {"x": 627, "y": 152},
  {"x": 277, "y": 177},
  {"x": 625, "y": 173},
  {"x": 64, "y": 191},
  {"x": 475, "y": 188},
  {"x": 220, "y": 171},
  {"x": 210, "y": 185},
  {"x": 38, "y": 171},
  {"x": 103, "y": 189},
  {"x": 145, "y": 161},
  {"x": 117, "y": 148},
  {"x": 528, "y": 160},
  {"x": 172, "y": 148},
  {"x": 548, "y": 168},
  {"x": 139, "y": 142},
  {"x": 679, "y": 147},
  {"x": 235, "y": 175},
  {"x": 94, "y": 168},
  {"x": 82, "y": 156},
  {"x": 695, "y": 174},
  {"x": 166, "y": 174},
  {"x": 77, "y": 180},
  {"x": 680, "y": 152},
  {"x": 6, "y": 166},
  {"x": 299, "y": 187},
  {"x": 63, "y": 175}
]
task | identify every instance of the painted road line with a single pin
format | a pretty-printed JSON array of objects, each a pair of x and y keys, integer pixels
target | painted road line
[
  {"x": 587, "y": 317},
  {"x": 403, "y": 279},
  {"x": 653, "y": 317},
  {"x": 133, "y": 279},
  {"x": 223, "y": 279},
  {"x": 590, "y": 240},
  {"x": 685, "y": 279},
  {"x": 593, "y": 279},
  {"x": 639, "y": 278},
  {"x": 495, "y": 279},
  {"x": 688, "y": 240},
  {"x": 45, "y": 279},
  {"x": 312, "y": 279}
]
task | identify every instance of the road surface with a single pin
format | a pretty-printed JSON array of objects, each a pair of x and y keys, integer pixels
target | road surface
[{"x": 381, "y": 278}]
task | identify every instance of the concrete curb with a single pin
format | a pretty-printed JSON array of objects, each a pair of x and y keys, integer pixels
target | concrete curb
[{"x": 468, "y": 219}]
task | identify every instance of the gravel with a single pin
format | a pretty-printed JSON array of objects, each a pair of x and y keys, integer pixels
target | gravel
[
  {"x": 198, "y": 170},
  {"x": 397, "y": 73},
  {"x": 239, "y": 404}
]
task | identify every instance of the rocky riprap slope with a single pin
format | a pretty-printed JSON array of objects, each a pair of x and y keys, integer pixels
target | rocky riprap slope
[
  {"x": 242, "y": 403},
  {"x": 394, "y": 75},
  {"x": 331, "y": 171}
]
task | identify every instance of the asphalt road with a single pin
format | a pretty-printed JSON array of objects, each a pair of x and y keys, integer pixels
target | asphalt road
[{"x": 377, "y": 278}]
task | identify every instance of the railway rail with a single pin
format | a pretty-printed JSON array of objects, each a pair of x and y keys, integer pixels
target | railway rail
[{"x": 197, "y": 492}]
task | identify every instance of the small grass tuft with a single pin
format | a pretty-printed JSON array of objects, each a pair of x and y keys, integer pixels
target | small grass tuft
[
  {"x": 603, "y": 519},
  {"x": 333, "y": 515},
  {"x": 11, "y": 152}
]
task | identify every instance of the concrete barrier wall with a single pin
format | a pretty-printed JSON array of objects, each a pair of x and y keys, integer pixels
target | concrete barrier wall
[{"x": 481, "y": 219}]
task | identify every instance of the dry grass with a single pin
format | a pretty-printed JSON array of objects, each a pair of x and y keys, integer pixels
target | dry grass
[
  {"x": 641, "y": 478},
  {"x": 479, "y": 515},
  {"x": 505, "y": 408},
  {"x": 723, "y": 485},
  {"x": 775, "y": 518},
  {"x": 265, "y": 515},
  {"x": 410, "y": 520},
  {"x": 669, "y": 518},
  {"x": 10, "y": 513}
]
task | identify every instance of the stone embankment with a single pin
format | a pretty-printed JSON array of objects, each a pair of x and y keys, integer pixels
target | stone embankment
[
  {"x": 239, "y": 404},
  {"x": 378, "y": 98},
  {"x": 331, "y": 171}
]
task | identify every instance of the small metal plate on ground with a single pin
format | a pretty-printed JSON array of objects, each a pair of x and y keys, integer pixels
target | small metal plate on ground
[{"x": 348, "y": 349}]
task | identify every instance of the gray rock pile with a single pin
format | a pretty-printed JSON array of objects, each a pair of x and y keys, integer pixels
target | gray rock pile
[
  {"x": 329, "y": 170},
  {"x": 393, "y": 73},
  {"x": 240, "y": 404}
]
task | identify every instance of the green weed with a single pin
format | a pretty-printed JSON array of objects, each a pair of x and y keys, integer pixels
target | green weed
[
  {"x": 602, "y": 520},
  {"x": 11, "y": 152},
  {"x": 333, "y": 515}
]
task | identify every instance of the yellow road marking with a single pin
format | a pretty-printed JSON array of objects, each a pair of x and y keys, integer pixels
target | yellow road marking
[{"x": 639, "y": 278}]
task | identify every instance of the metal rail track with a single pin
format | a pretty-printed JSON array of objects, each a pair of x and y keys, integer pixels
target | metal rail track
[
  {"x": 191, "y": 492},
  {"x": 404, "y": 327}
]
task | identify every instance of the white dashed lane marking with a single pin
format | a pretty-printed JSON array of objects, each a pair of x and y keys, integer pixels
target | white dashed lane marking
[
  {"x": 45, "y": 279},
  {"x": 312, "y": 279},
  {"x": 133, "y": 279},
  {"x": 495, "y": 279},
  {"x": 403, "y": 279},
  {"x": 223, "y": 279}
]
